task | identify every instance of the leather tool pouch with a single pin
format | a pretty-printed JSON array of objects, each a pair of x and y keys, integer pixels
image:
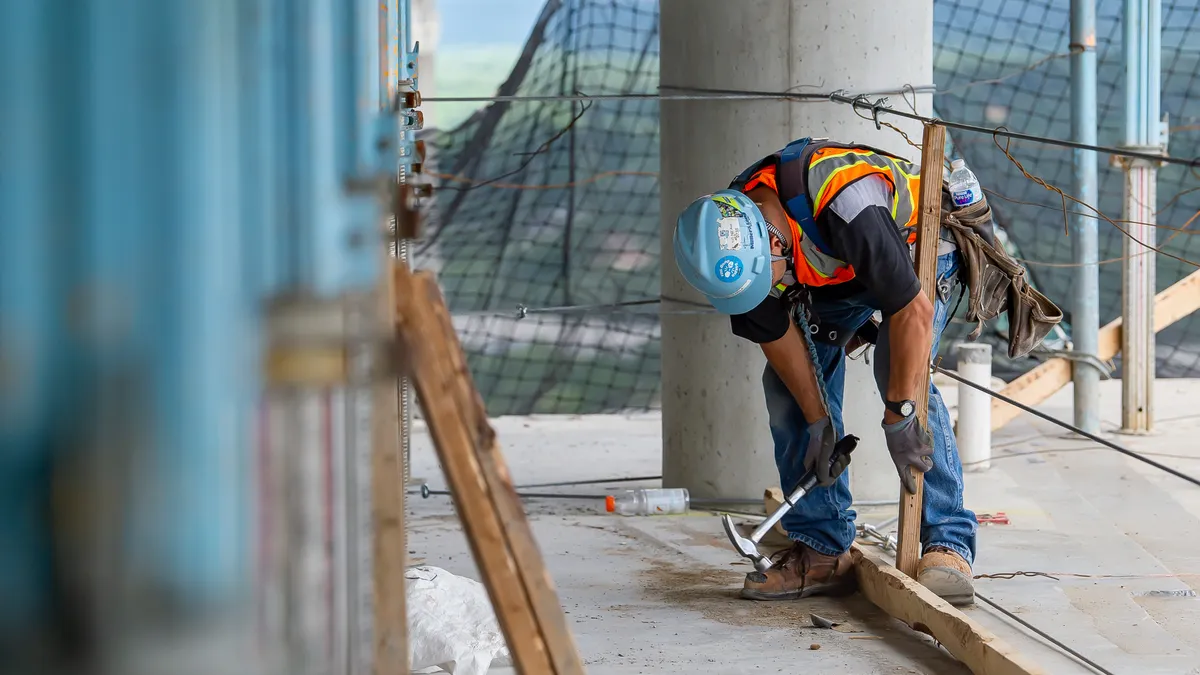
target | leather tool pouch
[{"x": 995, "y": 281}]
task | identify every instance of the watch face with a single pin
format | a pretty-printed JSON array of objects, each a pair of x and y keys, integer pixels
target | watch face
[{"x": 906, "y": 408}]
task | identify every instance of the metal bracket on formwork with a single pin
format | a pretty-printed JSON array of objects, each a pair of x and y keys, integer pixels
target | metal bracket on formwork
[
  {"x": 309, "y": 342},
  {"x": 406, "y": 210},
  {"x": 412, "y": 155},
  {"x": 409, "y": 62},
  {"x": 412, "y": 120}
]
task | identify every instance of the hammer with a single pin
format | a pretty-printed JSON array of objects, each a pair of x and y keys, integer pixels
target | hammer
[{"x": 748, "y": 547}]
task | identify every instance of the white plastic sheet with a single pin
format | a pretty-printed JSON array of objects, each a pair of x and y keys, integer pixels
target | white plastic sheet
[{"x": 451, "y": 623}]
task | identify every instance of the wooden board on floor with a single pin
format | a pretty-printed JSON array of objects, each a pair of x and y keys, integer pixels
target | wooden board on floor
[
  {"x": 929, "y": 223},
  {"x": 513, "y": 571},
  {"x": 901, "y": 597},
  {"x": 1172, "y": 304}
]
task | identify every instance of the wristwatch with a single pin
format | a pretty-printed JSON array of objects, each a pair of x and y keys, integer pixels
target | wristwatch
[{"x": 902, "y": 408}]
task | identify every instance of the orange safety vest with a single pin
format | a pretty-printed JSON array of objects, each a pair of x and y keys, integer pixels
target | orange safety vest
[{"x": 816, "y": 171}]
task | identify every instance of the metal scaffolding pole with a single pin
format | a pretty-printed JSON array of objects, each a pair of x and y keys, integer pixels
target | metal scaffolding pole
[
  {"x": 1085, "y": 309},
  {"x": 1142, "y": 131}
]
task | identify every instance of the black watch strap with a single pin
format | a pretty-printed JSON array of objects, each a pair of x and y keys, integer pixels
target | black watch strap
[{"x": 901, "y": 408}]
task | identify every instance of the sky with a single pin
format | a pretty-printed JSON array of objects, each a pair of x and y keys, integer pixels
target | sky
[
  {"x": 467, "y": 23},
  {"x": 480, "y": 40}
]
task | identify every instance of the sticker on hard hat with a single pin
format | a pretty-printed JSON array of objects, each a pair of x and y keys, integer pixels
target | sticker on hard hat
[
  {"x": 729, "y": 231},
  {"x": 726, "y": 199},
  {"x": 727, "y": 210},
  {"x": 729, "y": 269}
]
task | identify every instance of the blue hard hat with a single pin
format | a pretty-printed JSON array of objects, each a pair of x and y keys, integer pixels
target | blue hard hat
[{"x": 722, "y": 250}]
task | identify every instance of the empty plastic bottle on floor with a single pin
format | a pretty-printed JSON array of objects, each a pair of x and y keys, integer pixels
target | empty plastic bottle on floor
[
  {"x": 964, "y": 187},
  {"x": 649, "y": 502}
]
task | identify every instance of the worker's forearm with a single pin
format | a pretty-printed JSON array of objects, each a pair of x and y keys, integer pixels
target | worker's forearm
[
  {"x": 790, "y": 359},
  {"x": 910, "y": 336}
]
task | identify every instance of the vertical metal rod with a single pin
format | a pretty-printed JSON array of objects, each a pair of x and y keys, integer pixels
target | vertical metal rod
[
  {"x": 1154, "y": 68},
  {"x": 1129, "y": 50},
  {"x": 1142, "y": 27},
  {"x": 1137, "y": 279},
  {"x": 1143, "y": 73},
  {"x": 403, "y": 32},
  {"x": 1085, "y": 310}
]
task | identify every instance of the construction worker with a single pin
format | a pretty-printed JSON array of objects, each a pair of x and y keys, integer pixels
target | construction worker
[{"x": 801, "y": 251}]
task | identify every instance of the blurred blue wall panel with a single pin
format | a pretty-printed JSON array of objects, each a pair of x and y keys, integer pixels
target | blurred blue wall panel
[
  {"x": 166, "y": 170},
  {"x": 32, "y": 162}
]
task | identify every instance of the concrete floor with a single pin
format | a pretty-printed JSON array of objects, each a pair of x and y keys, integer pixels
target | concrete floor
[{"x": 659, "y": 594}]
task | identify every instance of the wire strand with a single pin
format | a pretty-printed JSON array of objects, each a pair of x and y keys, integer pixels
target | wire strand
[
  {"x": 648, "y": 96},
  {"x": 1070, "y": 427},
  {"x": 1044, "y": 635},
  {"x": 521, "y": 310},
  {"x": 1004, "y": 576},
  {"x": 1041, "y": 633},
  {"x": 548, "y": 186},
  {"x": 846, "y": 98},
  {"x": 529, "y": 156},
  {"x": 1066, "y": 197},
  {"x": 856, "y": 101}
]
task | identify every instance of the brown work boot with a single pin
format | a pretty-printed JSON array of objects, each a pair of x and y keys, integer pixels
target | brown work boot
[
  {"x": 799, "y": 572},
  {"x": 947, "y": 574}
]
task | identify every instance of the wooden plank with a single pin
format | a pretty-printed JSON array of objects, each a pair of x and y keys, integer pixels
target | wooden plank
[
  {"x": 389, "y": 545},
  {"x": 1174, "y": 303},
  {"x": 929, "y": 223},
  {"x": 1032, "y": 388},
  {"x": 513, "y": 571},
  {"x": 537, "y": 581},
  {"x": 422, "y": 354},
  {"x": 917, "y": 606}
]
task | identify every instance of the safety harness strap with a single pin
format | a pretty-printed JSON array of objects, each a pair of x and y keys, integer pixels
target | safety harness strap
[{"x": 793, "y": 189}]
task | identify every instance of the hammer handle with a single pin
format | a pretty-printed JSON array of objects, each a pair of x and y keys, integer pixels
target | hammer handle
[{"x": 807, "y": 483}]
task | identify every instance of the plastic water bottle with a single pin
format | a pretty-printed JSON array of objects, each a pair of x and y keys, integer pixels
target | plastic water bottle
[
  {"x": 964, "y": 187},
  {"x": 648, "y": 502}
]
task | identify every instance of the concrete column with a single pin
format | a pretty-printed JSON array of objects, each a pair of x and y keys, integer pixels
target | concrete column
[{"x": 715, "y": 436}]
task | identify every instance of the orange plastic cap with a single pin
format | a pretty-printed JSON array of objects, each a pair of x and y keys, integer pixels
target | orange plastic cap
[{"x": 610, "y": 503}]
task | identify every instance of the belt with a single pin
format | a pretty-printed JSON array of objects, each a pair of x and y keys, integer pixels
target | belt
[{"x": 829, "y": 333}]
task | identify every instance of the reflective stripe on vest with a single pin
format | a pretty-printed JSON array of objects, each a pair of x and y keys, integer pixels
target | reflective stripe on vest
[
  {"x": 831, "y": 169},
  {"x": 811, "y": 174}
]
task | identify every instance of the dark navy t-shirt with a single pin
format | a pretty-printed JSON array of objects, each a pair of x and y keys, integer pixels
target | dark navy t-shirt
[{"x": 862, "y": 233}]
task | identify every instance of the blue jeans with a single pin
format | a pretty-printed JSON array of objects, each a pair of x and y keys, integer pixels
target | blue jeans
[{"x": 823, "y": 519}]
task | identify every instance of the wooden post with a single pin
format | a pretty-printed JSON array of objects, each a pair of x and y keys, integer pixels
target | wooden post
[
  {"x": 521, "y": 591},
  {"x": 929, "y": 222}
]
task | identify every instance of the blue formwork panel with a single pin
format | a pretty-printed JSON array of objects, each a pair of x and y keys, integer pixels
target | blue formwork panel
[{"x": 166, "y": 169}]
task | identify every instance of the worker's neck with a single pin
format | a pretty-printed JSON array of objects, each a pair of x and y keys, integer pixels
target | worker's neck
[{"x": 772, "y": 209}]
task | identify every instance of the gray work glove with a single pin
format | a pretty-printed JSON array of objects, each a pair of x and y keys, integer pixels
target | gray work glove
[
  {"x": 909, "y": 445},
  {"x": 821, "y": 440}
]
